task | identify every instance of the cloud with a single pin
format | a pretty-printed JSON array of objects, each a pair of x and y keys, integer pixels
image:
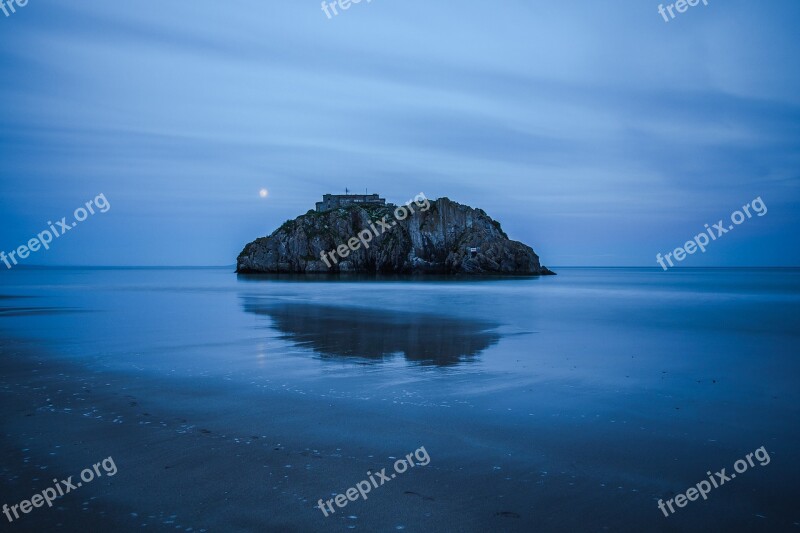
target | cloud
[{"x": 542, "y": 114}]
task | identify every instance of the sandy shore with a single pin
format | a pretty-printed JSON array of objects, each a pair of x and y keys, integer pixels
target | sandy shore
[
  {"x": 190, "y": 457},
  {"x": 228, "y": 407}
]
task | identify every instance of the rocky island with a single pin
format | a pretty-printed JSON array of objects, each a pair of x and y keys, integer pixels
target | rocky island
[{"x": 364, "y": 234}]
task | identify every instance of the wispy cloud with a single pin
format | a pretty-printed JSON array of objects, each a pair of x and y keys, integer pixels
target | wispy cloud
[{"x": 546, "y": 115}]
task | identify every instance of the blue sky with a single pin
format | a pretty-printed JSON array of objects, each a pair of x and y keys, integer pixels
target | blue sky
[{"x": 593, "y": 131}]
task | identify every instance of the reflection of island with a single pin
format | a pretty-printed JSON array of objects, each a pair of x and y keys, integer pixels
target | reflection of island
[{"x": 375, "y": 334}]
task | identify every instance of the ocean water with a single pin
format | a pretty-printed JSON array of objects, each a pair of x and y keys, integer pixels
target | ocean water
[{"x": 561, "y": 403}]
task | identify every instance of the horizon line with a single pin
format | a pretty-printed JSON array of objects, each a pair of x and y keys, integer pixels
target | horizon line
[{"x": 233, "y": 265}]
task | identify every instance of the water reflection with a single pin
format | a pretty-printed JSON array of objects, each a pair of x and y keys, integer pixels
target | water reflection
[
  {"x": 14, "y": 311},
  {"x": 336, "y": 332}
]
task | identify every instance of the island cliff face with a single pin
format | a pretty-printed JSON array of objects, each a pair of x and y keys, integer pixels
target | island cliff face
[{"x": 445, "y": 238}]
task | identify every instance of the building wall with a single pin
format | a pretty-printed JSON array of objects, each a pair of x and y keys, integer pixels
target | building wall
[{"x": 334, "y": 201}]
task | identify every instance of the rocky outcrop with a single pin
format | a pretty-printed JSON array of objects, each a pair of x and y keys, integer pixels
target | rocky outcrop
[{"x": 445, "y": 238}]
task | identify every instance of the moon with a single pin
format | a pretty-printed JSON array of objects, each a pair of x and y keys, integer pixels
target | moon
[{"x": 263, "y": 193}]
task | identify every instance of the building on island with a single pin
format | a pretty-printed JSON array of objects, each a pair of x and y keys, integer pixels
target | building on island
[{"x": 335, "y": 201}]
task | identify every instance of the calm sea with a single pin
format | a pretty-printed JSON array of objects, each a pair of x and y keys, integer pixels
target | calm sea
[{"x": 570, "y": 402}]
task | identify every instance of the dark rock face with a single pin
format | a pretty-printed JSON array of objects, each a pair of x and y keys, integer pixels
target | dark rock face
[{"x": 446, "y": 238}]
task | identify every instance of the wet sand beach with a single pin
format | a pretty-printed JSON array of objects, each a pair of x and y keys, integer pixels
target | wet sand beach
[{"x": 244, "y": 425}]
